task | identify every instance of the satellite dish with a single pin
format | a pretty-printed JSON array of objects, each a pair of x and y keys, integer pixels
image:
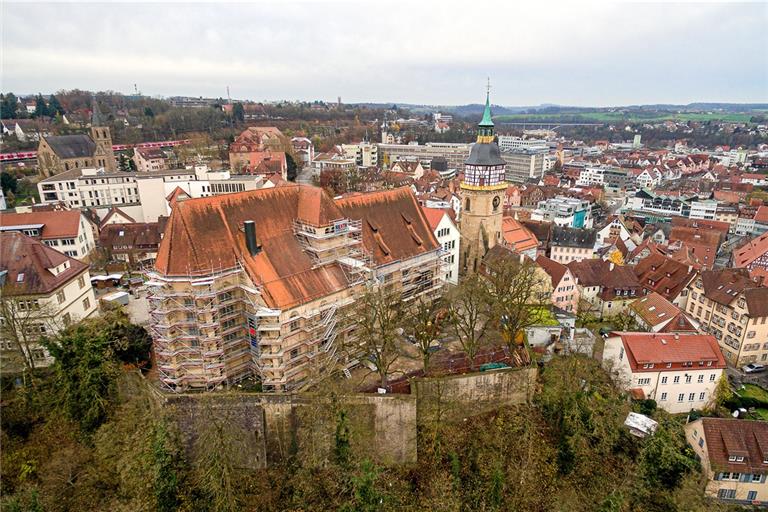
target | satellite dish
[{"x": 735, "y": 414}]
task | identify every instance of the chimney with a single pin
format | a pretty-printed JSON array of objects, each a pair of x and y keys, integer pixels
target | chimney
[{"x": 250, "y": 237}]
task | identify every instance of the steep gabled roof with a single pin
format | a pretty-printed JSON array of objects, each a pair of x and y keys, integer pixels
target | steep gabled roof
[
  {"x": 723, "y": 286},
  {"x": 749, "y": 252},
  {"x": 71, "y": 146},
  {"x": 664, "y": 275},
  {"x": 554, "y": 270},
  {"x": 205, "y": 234},
  {"x": 573, "y": 237},
  {"x": 394, "y": 226},
  {"x": 27, "y": 263},
  {"x": 517, "y": 236},
  {"x": 654, "y": 309},
  {"x": 728, "y": 437}
]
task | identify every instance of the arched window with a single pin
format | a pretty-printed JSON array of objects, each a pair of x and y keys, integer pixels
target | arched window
[{"x": 468, "y": 203}]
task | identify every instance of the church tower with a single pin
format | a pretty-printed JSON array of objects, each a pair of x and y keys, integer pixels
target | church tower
[
  {"x": 103, "y": 156},
  {"x": 482, "y": 193}
]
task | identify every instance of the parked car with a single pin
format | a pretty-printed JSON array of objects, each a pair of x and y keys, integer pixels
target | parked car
[{"x": 753, "y": 368}]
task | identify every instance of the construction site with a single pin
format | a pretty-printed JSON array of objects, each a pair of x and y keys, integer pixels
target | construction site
[{"x": 214, "y": 327}]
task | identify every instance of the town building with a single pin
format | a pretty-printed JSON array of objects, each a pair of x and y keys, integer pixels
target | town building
[
  {"x": 705, "y": 210},
  {"x": 42, "y": 291},
  {"x": 654, "y": 313},
  {"x": 519, "y": 238},
  {"x": 61, "y": 153},
  {"x": 680, "y": 371},
  {"x": 734, "y": 457},
  {"x": 143, "y": 196},
  {"x": 753, "y": 255},
  {"x": 304, "y": 150},
  {"x": 149, "y": 159},
  {"x": 67, "y": 231},
  {"x": 482, "y": 189},
  {"x": 258, "y": 283},
  {"x": 132, "y": 243},
  {"x": 571, "y": 244},
  {"x": 565, "y": 292},
  {"x": 565, "y": 211},
  {"x": 665, "y": 276},
  {"x": 734, "y": 308},
  {"x": 259, "y": 150},
  {"x": 609, "y": 177},
  {"x": 454, "y": 153},
  {"x": 606, "y": 289},
  {"x": 524, "y": 164},
  {"x": 510, "y": 142},
  {"x": 449, "y": 237},
  {"x": 364, "y": 153}
]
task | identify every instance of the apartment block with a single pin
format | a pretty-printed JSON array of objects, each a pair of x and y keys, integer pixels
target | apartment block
[
  {"x": 734, "y": 309},
  {"x": 680, "y": 371}
]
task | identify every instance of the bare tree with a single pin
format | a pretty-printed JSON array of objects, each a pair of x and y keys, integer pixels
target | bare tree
[
  {"x": 423, "y": 324},
  {"x": 517, "y": 292},
  {"x": 469, "y": 315},
  {"x": 377, "y": 317},
  {"x": 23, "y": 321}
]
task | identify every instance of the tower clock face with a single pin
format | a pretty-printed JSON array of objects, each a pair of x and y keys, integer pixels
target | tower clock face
[{"x": 496, "y": 202}]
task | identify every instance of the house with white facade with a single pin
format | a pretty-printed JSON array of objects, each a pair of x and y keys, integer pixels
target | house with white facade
[
  {"x": 448, "y": 236},
  {"x": 680, "y": 371},
  {"x": 44, "y": 291},
  {"x": 67, "y": 231}
]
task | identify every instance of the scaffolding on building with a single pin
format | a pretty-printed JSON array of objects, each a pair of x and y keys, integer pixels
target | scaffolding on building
[{"x": 197, "y": 330}]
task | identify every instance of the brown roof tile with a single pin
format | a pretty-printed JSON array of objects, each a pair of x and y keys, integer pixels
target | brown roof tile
[
  {"x": 20, "y": 254},
  {"x": 726, "y": 437}
]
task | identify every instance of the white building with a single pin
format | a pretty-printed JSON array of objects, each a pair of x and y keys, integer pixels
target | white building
[
  {"x": 564, "y": 211},
  {"x": 45, "y": 290},
  {"x": 706, "y": 210},
  {"x": 144, "y": 195},
  {"x": 449, "y": 237},
  {"x": 364, "y": 153},
  {"x": 67, "y": 231},
  {"x": 508, "y": 142},
  {"x": 679, "y": 371}
]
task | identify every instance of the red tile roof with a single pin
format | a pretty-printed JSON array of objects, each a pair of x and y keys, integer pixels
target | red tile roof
[
  {"x": 434, "y": 216},
  {"x": 23, "y": 256},
  {"x": 517, "y": 236},
  {"x": 663, "y": 349},
  {"x": 727, "y": 437},
  {"x": 57, "y": 224},
  {"x": 761, "y": 215},
  {"x": 654, "y": 309},
  {"x": 205, "y": 234},
  {"x": 394, "y": 226},
  {"x": 752, "y": 250},
  {"x": 554, "y": 270},
  {"x": 663, "y": 275}
]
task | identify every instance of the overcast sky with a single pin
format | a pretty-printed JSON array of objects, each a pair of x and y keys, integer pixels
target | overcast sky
[{"x": 411, "y": 52}]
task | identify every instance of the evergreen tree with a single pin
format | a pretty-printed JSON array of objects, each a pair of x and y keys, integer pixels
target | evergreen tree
[
  {"x": 238, "y": 112},
  {"x": 8, "y": 106},
  {"x": 41, "y": 108},
  {"x": 54, "y": 107}
]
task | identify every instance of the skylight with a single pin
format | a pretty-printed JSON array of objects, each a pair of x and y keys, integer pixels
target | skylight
[{"x": 20, "y": 277}]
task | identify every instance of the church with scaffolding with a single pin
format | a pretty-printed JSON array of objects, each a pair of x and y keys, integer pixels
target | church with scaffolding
[{"x": 260, "y": 283}]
